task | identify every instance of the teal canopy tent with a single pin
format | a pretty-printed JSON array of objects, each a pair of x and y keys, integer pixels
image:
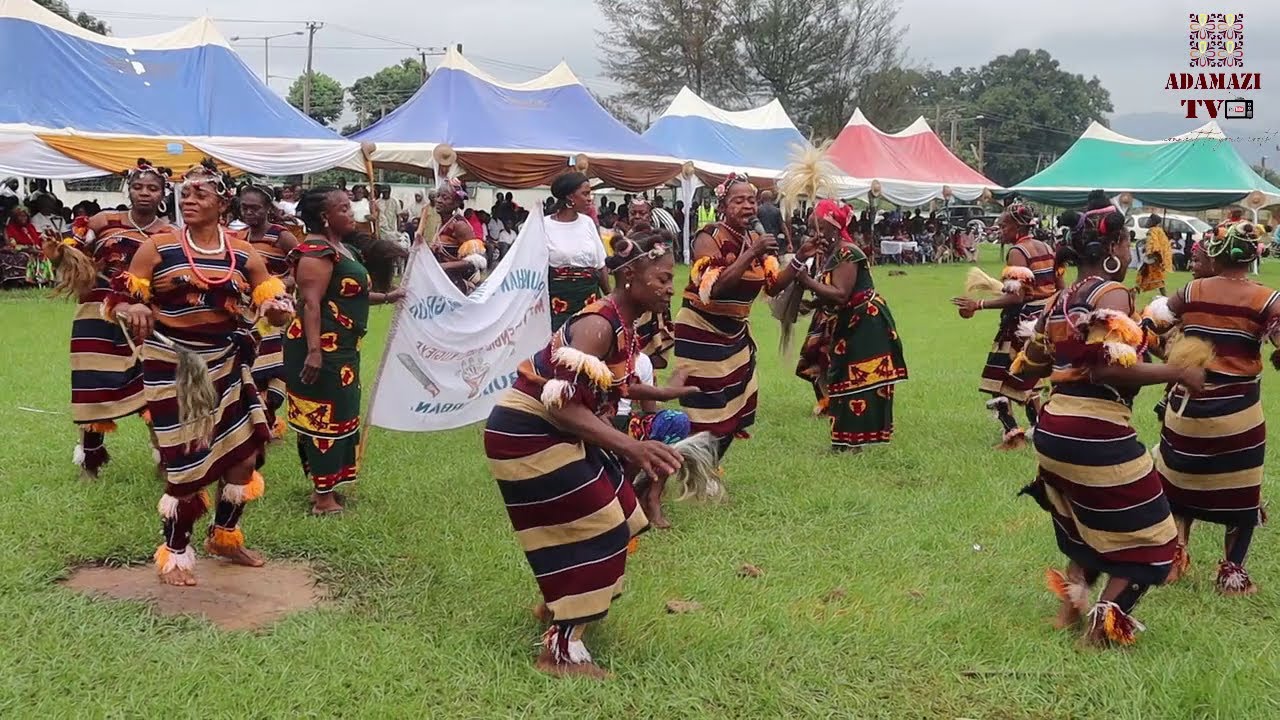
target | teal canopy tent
[{"x": 1194, "y": 171}]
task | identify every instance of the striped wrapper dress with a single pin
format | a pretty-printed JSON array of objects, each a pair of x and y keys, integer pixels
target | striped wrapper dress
[
  {"x": 203, "y": 304},
  {"x": 1096, "y": 479},
  {"x": 106, "y": 374},
  {"x": 655, "y": 330},
  {"x": 448, "y": 249},
  {"x": 1036, "y": 286},
  {"x": 268, "y": 366},
  {"x": 714, "y": 343},
  {"x": 568, "y": 501},
  {"x": 1212, "y": 446}
]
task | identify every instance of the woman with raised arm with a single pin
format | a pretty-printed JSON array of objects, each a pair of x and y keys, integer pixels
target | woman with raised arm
[
  {"x": 732, "y": 265},
  {"x": 854, "y": 353},
  {"x": 273, "y": 242},
  {"x": 322, "y": 345},
  {"x": 1096, "y": 480},
  {"x": 190, "y": 299},
  {"x": 559, "y": 461},
  {"x": 1213, "y": 445},
  {"x": 1029, "y": 278}
]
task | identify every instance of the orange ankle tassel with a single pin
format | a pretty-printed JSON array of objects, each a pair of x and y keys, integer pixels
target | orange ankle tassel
[
  {"x": 223, "y": 541},
  {"x": 108, "y": 426}
]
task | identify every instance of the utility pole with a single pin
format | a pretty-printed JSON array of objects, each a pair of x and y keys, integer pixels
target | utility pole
[
  {"x": 954, "y": 121},
  {"x": 981, "y": 144},
  {"x": 312, "y": 28},
  {"x": 423, "y": 55}
]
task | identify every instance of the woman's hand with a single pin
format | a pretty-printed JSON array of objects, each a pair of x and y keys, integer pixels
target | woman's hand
[
  {"x": 311, "y": 366},
  {"x": 966, "y": 306},
  {"x": 656, "y": 459},
  {"x": 763, "y": 245},
  {"x": 395, "y": 296},
  {"x": 139, "y": 319},
  {"x": 1193, "y": 380},
  {"x": 809, "y": 248}
]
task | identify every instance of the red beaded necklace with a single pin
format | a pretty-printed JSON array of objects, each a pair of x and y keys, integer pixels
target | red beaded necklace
[{"x": 187, "y": 244}]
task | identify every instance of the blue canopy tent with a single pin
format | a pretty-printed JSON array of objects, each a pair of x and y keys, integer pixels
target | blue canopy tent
[
  {"x": 76, "y": 104},
  {"x": 515, "y": 135}
]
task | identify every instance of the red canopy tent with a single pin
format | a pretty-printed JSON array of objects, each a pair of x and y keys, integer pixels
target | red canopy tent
[{"x": 910, "y": 167}]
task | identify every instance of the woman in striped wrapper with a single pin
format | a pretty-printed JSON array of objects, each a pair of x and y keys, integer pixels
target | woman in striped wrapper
[
  {"x": 1029, "y": 278},
  {"x": 558, "y": 460},
  {"x": 106, "y": 375},
  {"x": 1096, "y": 480},
  {"x": 1212, "y": 445},
  {"x": 199, "y": 292},
  {"x": 273, "y": 242},
  {"x": 732, "y": 264}
]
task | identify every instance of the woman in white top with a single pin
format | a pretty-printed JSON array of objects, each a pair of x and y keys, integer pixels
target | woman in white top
[
  {"x": 577, "y": 276},
  {"x": 361, "y": 212}
]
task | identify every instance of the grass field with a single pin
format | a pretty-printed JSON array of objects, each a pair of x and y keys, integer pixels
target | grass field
[{"x": 903, "y": 583}]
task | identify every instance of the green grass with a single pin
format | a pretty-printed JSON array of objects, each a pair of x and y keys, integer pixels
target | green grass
[{"x": 943, "y": 613}]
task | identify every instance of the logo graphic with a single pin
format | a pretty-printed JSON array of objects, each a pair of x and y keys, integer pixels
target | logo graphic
[
  {"x": 1239, "y": 109},
  {"x": 1216, "y": 40}
]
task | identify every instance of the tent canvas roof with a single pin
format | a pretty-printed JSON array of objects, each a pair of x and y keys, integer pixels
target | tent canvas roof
[
  {"x": 758, "y": 141},
  {"x": 185, "y": 85},
  {"x": 1193, "y": 171},
  {"x": 912, "y": 165},
  {"x": 553, "y": 115}
]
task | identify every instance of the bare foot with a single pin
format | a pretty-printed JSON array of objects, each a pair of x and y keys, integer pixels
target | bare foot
[
  {"x": 178, "y": 577},
  {"x": 1181, "y": 564},
  {"x": 239, "y": 556},
  {"x": 652, "y": 507},
  {"x": 325, "y": 504},
  {"x": 589, "y": 670},
  {"x": 1013, "y": 442},
  {"x": 1068, "y": 615}
]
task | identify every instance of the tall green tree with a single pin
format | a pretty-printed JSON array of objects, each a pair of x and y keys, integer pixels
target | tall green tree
[
  {"x": 83, "y": 19},
  {"x": 1031, "y": 111},
  {"x": 327, "y": 97},
  {"x": 374, "y": 96},
  {"x": 1268, "y": 174},
  {"x": 653, "y": 47},
  {"x": 822, "y": 58}
]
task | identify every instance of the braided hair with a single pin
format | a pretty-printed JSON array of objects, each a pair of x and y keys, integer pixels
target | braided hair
[
  {"x": 1089, "y": 236},
  {"x": 1021, "y": 214},
  {"x": 1237, "y": 246},
  {"x": 638, "y": 247},
  {"x": 724, "y": 188},
  {"x": 312, "y": 206},
  {"x": 144, "y": 168},
  {"x": 208, "y": 173},
  {"x": 564, "y": 186}
]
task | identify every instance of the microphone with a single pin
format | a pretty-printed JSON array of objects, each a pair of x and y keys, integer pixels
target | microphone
[{"x": 757, "y": 225}]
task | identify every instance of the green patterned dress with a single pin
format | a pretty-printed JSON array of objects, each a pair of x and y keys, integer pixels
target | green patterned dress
[
  {"x": 854, "y": 347},
  {"x": 326, "y": 413}
]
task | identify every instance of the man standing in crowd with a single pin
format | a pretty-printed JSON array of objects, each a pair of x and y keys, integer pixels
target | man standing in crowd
[
  {"x": 771, "y": 218},
  {"x": 706, "y": 214},
  {"x": 662, "y": 219},
  {"x": 428, "y": 221}
]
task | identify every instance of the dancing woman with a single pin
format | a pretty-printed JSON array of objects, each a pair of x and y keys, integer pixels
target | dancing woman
[
  {"x": 577, "y": 275},
  {"x": 1029, "y": 278},
  {"x": 854, "y": 353},
  {"x": 460, "y": 253},
  {"x": 732, "y": 264},
  {"x": 322, "y": 346},
  {"x": 273, "y": 243},
  {"x": 1158, "y": 260},
  {"x": 106, "y": 375},
  {"x": 1212, "y": 445},
  {"x": 557, "y": 461},
  {"x": 188, "y": 297},
  {"x": 1096, "y": 480}
]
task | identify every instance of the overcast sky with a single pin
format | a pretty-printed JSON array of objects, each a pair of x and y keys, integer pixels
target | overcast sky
[{"x": 1132, "y": 45}]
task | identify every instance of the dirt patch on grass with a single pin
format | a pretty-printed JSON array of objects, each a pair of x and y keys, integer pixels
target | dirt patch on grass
[{"x": 229, "y": 596}]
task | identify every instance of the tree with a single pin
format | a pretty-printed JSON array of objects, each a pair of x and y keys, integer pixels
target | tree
[
  {"x": 327, "y": 97},
  {"x": 1032, "y": 110},
  {"x": 375, "y": 96},
  {"x": 821, "y": 58},
  {"x": 1268, "y": 174},
  {"x": 619, "y": 109},
  {"x": 83, "y": 19},
  {"x": 653, "y": 47}
]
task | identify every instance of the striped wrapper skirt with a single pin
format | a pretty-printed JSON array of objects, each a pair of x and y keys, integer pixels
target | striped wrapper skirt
[
  {"x": 997, "y": 381},
  {"x": 1211, "y": 453},
  {"x": 268, "y": 367},
  {"x": 570, "y": 507},
  {"x": 720, "y": 355},
  {"x": 241, "y": 431},
  {"x": 106, "y": 375},
  {"x": 1098, "y": 483}
]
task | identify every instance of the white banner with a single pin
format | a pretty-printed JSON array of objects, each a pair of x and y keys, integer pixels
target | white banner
[{"x": 449, "y": 356}]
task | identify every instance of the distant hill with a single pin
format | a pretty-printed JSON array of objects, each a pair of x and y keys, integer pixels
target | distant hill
[{"x": 1258, "y": 141}]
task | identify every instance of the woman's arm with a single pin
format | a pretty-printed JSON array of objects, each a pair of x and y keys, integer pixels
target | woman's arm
[
  {"x": 1141, "y": 374},
  {"x": 286, "y": 241},
  {"x": 843, "y": 278},
  {"x": 1012, "y": 259},
  {"x": 134, "y": 302},
  {"x": 313, "y": 275}
]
